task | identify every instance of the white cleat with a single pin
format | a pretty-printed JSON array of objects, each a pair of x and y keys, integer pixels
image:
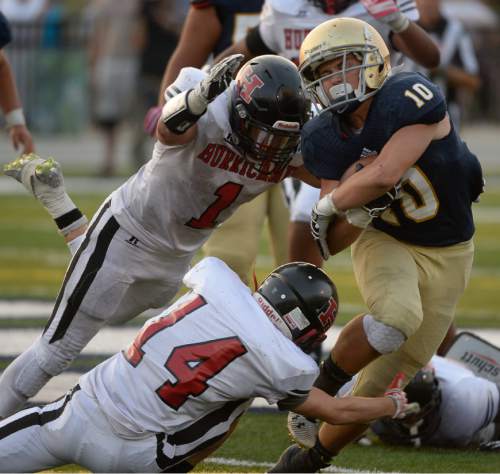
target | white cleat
[
  {"x": 304, "y": 431},
  {"x": 40, "y": 177}
]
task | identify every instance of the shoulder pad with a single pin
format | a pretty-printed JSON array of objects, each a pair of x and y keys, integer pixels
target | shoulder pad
[
  {"x": 410, "y": 98},
  {"x": 319, "y": 137}
]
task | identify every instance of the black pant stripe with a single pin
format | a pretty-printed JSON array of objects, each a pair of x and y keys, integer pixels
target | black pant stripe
[
  {"x": 36, "y": 418},
  {"x": 192, "y": 433},
  {"x": 200, "y": 427},
  {"x": 93, "y": 265},
  {"x": 73, "y": 263}
]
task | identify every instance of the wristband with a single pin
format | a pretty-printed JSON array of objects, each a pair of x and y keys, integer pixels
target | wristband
[
  {"x": 399, "y": 24},
  {"x": 15, "y": 117}
]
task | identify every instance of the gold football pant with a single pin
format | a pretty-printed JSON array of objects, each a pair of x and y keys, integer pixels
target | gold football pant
[
  {"x": 413, "y": 289},
  {"x": 236, "y": 241}
]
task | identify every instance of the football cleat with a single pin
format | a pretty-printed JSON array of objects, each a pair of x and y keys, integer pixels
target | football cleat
[
  {"x": 37, "y": 175},
  {"x": 490, "y": 446},
  {"x": 302, "y": 430},
  {"x": 44, "y": 180},
  {"x": 296, "y": 459}
]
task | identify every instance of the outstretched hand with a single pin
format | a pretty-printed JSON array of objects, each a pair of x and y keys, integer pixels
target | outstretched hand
[
  {"x": 388, "y": 12},
  {"x": 398, "y": 397},
  {"x": 219, "y": 77}
]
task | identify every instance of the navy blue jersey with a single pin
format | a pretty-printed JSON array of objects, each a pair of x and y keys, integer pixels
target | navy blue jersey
[
  {"x": 5, "y": 35},
  {"x": 435, "y": 208},
  {"x": 234, "y": 15}
]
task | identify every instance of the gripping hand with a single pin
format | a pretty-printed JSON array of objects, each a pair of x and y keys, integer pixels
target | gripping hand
[
  {"x": 388, "y": 12},
  {"x": 218, "y": 78},
  {"x": 321, "y": 216},
  {"x": 398, "y": 397},
  {"x": 183, "y": 110}
]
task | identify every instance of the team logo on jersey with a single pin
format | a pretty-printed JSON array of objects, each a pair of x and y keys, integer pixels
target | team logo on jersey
[
  {"x": 248, "y": 84},
  {"x": 327, "y": 317}
]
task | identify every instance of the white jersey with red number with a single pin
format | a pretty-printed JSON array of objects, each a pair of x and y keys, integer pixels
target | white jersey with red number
[
  {"x": 285, "y": 23},
  {"x": 175, "y": 201},
  {"x": 195, "y": 368}
]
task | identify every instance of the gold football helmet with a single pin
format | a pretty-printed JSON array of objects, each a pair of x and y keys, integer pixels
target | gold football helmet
[{"x": 340, "y": 38}]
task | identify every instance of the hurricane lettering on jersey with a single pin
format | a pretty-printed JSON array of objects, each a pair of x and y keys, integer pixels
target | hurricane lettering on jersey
[
  {"x": 294, "y": 37},
  {"x": 222, "y": 157}
]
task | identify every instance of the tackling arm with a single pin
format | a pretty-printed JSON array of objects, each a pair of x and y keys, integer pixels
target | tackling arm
[
  {"x": 339, "y": 411},
  {"x": 180, "y": 114}
]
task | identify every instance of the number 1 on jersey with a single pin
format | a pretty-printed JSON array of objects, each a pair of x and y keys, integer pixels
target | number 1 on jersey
[{"x": 227, "y": 194}]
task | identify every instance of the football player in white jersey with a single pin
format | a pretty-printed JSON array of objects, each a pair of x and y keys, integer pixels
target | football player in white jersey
[
  {"x": 282, "y": 28},
  {"x": 218, "y": 147},
  {"x": 176, "y": 393},
  {"x": 457, "y": 409}
]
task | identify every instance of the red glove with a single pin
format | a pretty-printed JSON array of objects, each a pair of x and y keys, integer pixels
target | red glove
[
  {"x": 388, "y": 12},
  {"x": 398, "y": 396},
  {"x": 151, "y": 120}
]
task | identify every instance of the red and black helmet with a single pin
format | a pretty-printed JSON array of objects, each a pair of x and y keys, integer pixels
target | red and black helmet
[
  {"x": 301, "y": 300},
  {"x": 268, "y": 109}
]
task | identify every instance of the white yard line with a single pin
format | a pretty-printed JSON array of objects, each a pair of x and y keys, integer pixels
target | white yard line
[{"x": 248, "y": 463}]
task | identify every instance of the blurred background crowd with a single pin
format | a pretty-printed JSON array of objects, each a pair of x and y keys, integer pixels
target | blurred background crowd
[{"x": 82, "y": 64}]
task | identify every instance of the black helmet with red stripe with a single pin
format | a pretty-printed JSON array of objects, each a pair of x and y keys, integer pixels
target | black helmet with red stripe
[
  {"x": 268, "y": 109},
  {"x": 301, "y": 301}
]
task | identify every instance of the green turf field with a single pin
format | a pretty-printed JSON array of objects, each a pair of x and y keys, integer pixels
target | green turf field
[
  {"x": 32, "y": 264},
  {"x": 33, "y": 258},
  {"x": 260, "y": 438}
]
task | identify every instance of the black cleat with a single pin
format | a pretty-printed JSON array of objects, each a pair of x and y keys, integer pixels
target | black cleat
[{"x": 296, "y": 459}]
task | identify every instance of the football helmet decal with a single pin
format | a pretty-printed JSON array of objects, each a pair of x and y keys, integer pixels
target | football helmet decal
[
  {"x": 346, "y": 44},
  {"x": 301, "y": 301},
  {"x": 268, "y": 109}
]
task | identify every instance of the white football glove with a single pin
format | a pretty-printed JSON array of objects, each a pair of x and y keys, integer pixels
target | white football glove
[
  {"x": 362, "y": 216},
  {"x": 388, "y": 12},
  {"x": 302, "y": 430},
  {"x": 217, "y": 80},
  {"x": 322, "y": 214}
]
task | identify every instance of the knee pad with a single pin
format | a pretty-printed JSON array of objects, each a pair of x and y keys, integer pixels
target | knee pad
[{"x": 383, "y": 338}]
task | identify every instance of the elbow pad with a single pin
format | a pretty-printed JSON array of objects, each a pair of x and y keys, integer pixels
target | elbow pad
[{"x": 183, "y": 111}]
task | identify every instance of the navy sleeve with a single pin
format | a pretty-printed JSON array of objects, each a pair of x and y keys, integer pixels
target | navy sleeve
[
  {"x": 317, "y": 146},
  {"x": 5, "y": 35},
  {"x": 201, "y": 3},
  {"x": 414, "y": 100}
]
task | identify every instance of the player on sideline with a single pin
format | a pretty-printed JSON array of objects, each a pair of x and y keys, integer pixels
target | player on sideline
[
  {"x": 216, "y": 149},
  {"x": 413, "y": 262},
  {"x": 177, "y": 392}
]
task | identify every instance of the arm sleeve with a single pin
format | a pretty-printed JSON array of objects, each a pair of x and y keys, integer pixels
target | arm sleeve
[{"x": 5, "y": 34}]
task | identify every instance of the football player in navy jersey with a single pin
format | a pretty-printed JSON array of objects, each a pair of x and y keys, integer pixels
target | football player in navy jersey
[{"x": 412, "y": 255}]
